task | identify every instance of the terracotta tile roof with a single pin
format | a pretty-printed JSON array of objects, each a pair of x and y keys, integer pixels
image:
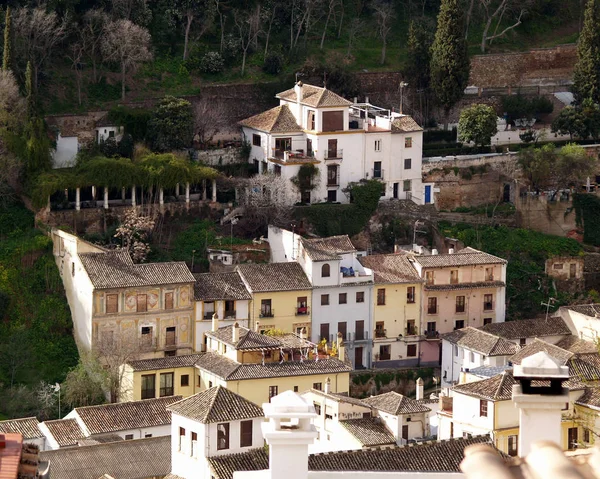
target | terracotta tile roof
[
  {"x": 10, "y": 456},
  {"x": 248, "y": 339},
  {"x": 461, "y": 286},
  {"x": 464, "y": 257},
  {"x": 126, "y": 415},
  {"x": 330, "y": 248},
  {"x": 481, "y": 342},
  {"x": 116, "y": 270},
  {"x": 488, "y": 371},
  {"x": 391, "y": 268},
  {"x": 219, "y": 286},
  {"x": 585, "y": 367},
  {"x": 216, "y": 404},
  {"x": 140, "y": 458},
  {"x": 430, "y": 456},
  {"x": 168, "y": 362},
  {"x": 231, "y": 371},
  {"x": 276, "y": 120},
  {"x": 592, "y": 310},
  {"x": 578, "y": 346},
  {"x": 538, "y": 345},
  {"x": 27, "y": 427},
  {"x": 274, "y": 277},
  {"x": 341, "y": 398},
  {"x": 405, "y": 124},
  {"x": 369, "y": 431},
  {"x": 66, "y": 432},
  {"x": 224, "y": 466},
  {"x": 173, "y": 476},
  {"x": 499, "y": 388},
  {"x": 395, "y": 404},
  {"x": 591, "y": 397},
  {"x": 315, "y": 96},
  {"x": 528, "y": 328}
]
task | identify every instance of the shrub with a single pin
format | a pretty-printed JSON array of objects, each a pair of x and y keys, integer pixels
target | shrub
[
  {"x": 212, "y": 62},
  {"x": 273, "y": 64}
]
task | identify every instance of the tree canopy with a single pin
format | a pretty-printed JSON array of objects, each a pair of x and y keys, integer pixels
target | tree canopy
[
  {"x": 586, "y": 76},
  {"x": 478, "y": 124}
]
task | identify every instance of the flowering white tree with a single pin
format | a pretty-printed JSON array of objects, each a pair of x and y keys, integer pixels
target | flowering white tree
[{"x": 134, "y": 233}]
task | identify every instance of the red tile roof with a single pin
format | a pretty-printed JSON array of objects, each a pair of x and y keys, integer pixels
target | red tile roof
[{"x": 10, "y": 456}]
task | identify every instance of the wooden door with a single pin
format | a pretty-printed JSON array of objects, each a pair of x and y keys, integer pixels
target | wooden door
[
  {"x": 405, "y": 432},
  {"x": 358, "y": 358}
]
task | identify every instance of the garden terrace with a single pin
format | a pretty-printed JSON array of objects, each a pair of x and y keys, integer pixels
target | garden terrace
[{"x": 154, "y": 178}]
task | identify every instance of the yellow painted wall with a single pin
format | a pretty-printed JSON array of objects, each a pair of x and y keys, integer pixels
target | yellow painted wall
[
  {"x": 283, "y": 304},
  {"x": 257, "y": 390},
  {"x": 396, "y": 310},
  {"x": 132, "y": 382}
]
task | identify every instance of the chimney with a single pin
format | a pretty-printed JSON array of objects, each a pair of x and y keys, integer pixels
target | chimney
[
  {"x": 327, "y": 386},
  {"x": 434, "y": 251},
  {"x": 339, "y": 340},
  {"x": 539, "y": 406},
  {"x": 451, "y": 251},
  {"x": 257, "y": 327},
  {"x": 235, "y": 332},
  {"x": 420, "y": 389},
  {"x": 299, "y": 92},
  {"x": 288, "y": 432},
  {"x": 303, "y": 333},
  {"x": 366, "y": 99},
  {"x": 215, "y": 321},
  {"x": 342, "y": 352}
]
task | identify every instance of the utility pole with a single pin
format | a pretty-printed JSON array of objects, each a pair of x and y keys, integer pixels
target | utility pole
[
  {"x": 403, "y": 85},
  {"x": 550, "y": 302}
]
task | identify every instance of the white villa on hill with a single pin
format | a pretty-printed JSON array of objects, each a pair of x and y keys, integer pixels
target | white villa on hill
[{"x": 346, "y": 141}]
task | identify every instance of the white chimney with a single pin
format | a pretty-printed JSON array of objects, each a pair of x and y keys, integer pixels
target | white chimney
[
  {"x": 235, "y": 332},
  {"x": 434, "y": 251},
  {"x": 288, "y": 432},
  {"x": 451, "y": 251},
  {"x": 327, "y": 386},
  {"x": 215, "y": 321},
  {"x": 257, "y": 327},
  {"x": 420, "y": 389},
  {"x": 540, "y": 408},
  {"x": 342, "y": 352},
  {"x": 366, "y": 99},
  {"x": 303, "y": 333}
]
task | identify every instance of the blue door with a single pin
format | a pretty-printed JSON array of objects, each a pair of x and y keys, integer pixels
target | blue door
[{"x": 427, "y": 194}]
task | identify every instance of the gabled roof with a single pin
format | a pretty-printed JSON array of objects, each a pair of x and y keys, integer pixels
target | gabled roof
[
  {"x": 585, "y": 367},
  {"x": 430, "y": 456},
  {"x": 538, "y": 345},
  {"x": 341, "y": 398},
  {"x": 276, "y": 120},
  {"x": 248, "y": 339},
  {"x": 395, "y": 404},
  {"x": 216, "y": 404},
  {"x": 117, "y": 270},
  {"x": 475, "y": 339},
  {"x": 136, "y": 459},
  {"x": 327, "y": 249},
  {"x": 231, "y": 371},
  {"x": 168, "y": 362},
  {"x": 528, "y": 328},
  {"x": 126, "y": 415},
  {"x": 592, "y": 310},
  {"x": 405, "y": 124},
  {"x": 66, "y": 432},
  {"x": 391, "y": 268},
  {"x": 369, "y": 431},
  {"x": 591, "y": 397},
  {"x": 314, "y": 96},
  {"x": 274, "y": 277},
  {"x": 464, "y": 257},
  {"x": 27, "y": 427},
  {"x": 224, "y": 466},
  {"x": 578, "y": 346},
  {"x": 219, "y": 286}
]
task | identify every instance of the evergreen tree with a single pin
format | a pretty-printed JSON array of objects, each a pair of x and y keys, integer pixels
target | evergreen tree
[
  {"x": 29, "y": 93},
  {"x": 37, "y": 148},
  {"x": 7, "y": 56},
  {"x": 586, "y": 77},
  {"x": 449, "y": 56},
  {"x": 420, "y": 38}
]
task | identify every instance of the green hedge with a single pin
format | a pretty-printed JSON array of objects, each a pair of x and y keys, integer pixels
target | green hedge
[{"x": 587, "y": 211}]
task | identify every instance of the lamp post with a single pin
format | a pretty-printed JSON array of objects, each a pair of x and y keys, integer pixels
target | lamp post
[{"x": 402, "y": 85}]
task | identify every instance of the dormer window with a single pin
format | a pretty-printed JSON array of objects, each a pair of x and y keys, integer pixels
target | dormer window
[{"x": 222, "y": 436}]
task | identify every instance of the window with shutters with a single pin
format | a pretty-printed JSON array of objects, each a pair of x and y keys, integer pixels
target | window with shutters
[
  {"x": 343, "y": 298},
  {"x": 411, "y": 350},
  {"x": 142, "y": 305},
  {"x": 460, "y": 304},
  {"x": 381, "y": 296},
  {"x": 483, "y": 408},
  {"x": 360, "y": 296},
  {"x": 325, "y": 271},
  {"x": 273, "y": 391},
  {"x": 168, "y": 300},
  {"x": 246, "y": 433},
  {"x": 324, "y": 300},
  {"x": 432, "y": 305},
  {"x": 513, "y": 445},
  {"x": 112, "y": 303},
  {"x": 410, "y": 294},
  {"x": 185, "y": 380},
  {"x": 407, "y": 163},
  {"x": 488, "y": 302},
  {"x": 194, "y": 450},
  {"x": 429, "y": 277}
]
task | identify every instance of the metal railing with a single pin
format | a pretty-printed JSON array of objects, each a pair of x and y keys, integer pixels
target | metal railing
[
  {"x": 334, "y": 154},
  {"x": 230, "y": 314},
  {"x": 488, "y": 306},
  {"x": 432, "y": 310},
  {"x": 380, "y": 333},
  {"x": 267, "y": 313},
  {"x": 432, "y": 334},
  {"x": 302, "y": 311},
  {"x": 378, "y": 174}
]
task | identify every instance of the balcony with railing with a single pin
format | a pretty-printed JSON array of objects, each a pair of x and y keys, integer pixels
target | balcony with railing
[
  {"x": 208, "y": 314},
  {"x": 301, "y": 311},
  {"x": 411, "y": 331},
  {"x": 292, "y": 155},
  {"x": 333, "y": 155},
  {"x": 432, "y": 334},
  {"x": 488, "y": 305},
  {"x": 432, "y": 309},
  {"x": 378, "y": 174},
  {"x": 356, "y": 273},
  {"x": 380, "y": 333},
  {"x": 267, "y": 313},
  {"x": 230, "y": 314}
]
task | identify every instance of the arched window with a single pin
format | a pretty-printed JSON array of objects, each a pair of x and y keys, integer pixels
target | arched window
[{"x": 325, "y": 271}]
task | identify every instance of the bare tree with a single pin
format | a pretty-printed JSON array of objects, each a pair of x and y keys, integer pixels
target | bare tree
[
  {"x": 75, "y": 55},
  {"x": 354, "y": 29},
  {"x": 305, "y": 8},
  {"x": 248, "y": 26},
  {"x": 128, "y": 44},
  {"x": 219, "y": 8},
  {"x": 268, "y": 16},
  {"x": 384, "y": 15},
  {"x": 209, "y": 119},
  {"x": 496, "y": 14},
  {"x": 92, "y": 34},
  {"x": 37, "y": 34},
  {"x": 330, "y": 11},
  {"x": 191, "y": 11}
]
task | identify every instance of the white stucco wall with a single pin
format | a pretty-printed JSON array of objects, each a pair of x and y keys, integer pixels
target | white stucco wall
[{"x": 66, "y": 151}]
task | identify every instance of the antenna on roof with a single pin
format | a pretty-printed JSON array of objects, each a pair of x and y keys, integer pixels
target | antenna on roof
[
  {"x": 550, "y": 302},
  {"x": 299, "y": 74}
]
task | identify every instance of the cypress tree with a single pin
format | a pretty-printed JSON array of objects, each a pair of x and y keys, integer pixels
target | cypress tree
[
  {"x": 29, "y": 93},
  {"x": 7, "y": 56},
  {"x": 586, "y": 77},
  {"x": 449, "y": 56}
]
